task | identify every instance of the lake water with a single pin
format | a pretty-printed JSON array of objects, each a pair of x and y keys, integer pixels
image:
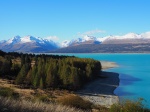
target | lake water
[{"x": 134, "y": 70}]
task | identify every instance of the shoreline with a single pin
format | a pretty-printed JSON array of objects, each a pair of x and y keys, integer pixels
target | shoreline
[
  {"x": 101, "y": 90},
  {"x": 107, "y": 65}
]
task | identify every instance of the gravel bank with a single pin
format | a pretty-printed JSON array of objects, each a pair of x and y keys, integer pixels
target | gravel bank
[
  {"x": 107, "y": 64},
  {"x": 101, "y": 91}
]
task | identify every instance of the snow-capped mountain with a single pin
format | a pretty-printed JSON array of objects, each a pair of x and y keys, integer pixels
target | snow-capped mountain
[
  {"x": 85, "y": 40},
  {"x": 37, "y": 44},
  {"x": 28, "y": 44},
  {"x": 128, "y": 43},
  {"x": 146, "y": 35},
  {"x": 65, "y": 43},
  {"x": 130, "y": 38}
]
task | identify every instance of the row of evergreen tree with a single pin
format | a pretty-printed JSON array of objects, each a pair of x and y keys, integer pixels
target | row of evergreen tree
[{"x": 49, "y": 71}]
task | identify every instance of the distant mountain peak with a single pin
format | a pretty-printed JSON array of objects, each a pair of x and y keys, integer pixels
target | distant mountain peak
[
  {"x": 78, "y": 41},
  {"x": 88, "y": 38},
  {"x": 65, "y": 43},
  {"x": 14, "y": 40},
  {"x": 146, "y": 35},
  {"x": 131, "y": 36},
  {"x": 28, "y": 44}
]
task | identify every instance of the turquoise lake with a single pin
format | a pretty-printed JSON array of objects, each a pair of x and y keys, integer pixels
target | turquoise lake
[{"x": 134, "y": 70}]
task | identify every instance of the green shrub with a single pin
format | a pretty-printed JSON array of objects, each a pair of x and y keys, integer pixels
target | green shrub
[
  {"x": 74, "y": 101},
  {"x": 129, "y": 106},
  {"x": 7, "y": 92}
]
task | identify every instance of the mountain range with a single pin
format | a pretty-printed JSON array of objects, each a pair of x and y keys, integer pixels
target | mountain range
[
  {"x": 130, "y": 42},
  {"x": 27, "y": 44}
]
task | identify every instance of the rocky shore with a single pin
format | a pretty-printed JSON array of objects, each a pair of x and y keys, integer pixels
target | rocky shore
[{"x": 101, "y": 91}]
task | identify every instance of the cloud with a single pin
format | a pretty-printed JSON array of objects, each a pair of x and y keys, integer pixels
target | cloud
[
  {"x": 91, "y": 32},
  {"x": 55, "y": 38},
  {"x": 94, "y": 32}
]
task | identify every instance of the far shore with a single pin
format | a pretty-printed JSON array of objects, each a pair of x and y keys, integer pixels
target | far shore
[
  {"x": 107, "y": 65},
  {"x": 101, "y": 91}
]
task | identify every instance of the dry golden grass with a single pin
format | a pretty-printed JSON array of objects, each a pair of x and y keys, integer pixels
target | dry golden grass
[
  {"x": 9, "y": 105},
  {"x": 16, "y": 61},
  {"x": 1, "y": 58},
  {"x": 23, "y": 92},
  {"x": 32, "y": 100},
  {"x": 75, "y": 101},
  {"x": 37, "y": 100},
  {"x": 33, "y": 94}
]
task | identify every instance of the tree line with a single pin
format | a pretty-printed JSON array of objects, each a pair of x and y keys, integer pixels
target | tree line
[{"x": 49, "y": 71}]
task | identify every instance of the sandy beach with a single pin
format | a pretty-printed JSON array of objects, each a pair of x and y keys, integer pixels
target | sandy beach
[{"x": 101, "y": 90}]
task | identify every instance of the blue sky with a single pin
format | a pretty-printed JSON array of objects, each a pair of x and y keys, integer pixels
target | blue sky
[{"x": 68, "y": 19}]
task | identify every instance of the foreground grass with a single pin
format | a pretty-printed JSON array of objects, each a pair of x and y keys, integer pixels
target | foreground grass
[
  {"x": 14, "y": 99},
  {"x": 75, "y": 101},
  {"x": 10, "y": 105},
  {"x": 129, "y": 106}
]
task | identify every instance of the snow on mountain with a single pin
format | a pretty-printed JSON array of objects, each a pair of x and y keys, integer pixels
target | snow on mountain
[
  {"x": 78, "y": 41},
  {"x": 129, "y": 36},
  {"x": 28, "y": 44},
  {"x": 28, "y": 39},
  {"x": 13, "y": 40},
  {"x": 89, "y": 38},
  {"x": 37, "y": 44},
  {"x": 117, "y": 38},
  {"x": 85, "y": 38},
  {"x": 101, "y": 39},
  {"x": 146, "y": 35},
  {"x": 65, "y": 43}
]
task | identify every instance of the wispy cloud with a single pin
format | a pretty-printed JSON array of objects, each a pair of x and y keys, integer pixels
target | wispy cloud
[
  {"x": 91, "y": 32},
  {"x": 55, "y": 38}
]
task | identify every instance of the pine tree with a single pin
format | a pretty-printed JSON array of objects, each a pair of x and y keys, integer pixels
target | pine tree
[
  {"x": 27, "y": 59},
  {"x": 33, "y": 73},
  {"x": 88, "y": 72},
  {"x": 75, "y": 79},
  {"x": 15, "y": 69},
  {"x": 41, "y": 83},
  {"x": 52, "y": 75},
  {"x": 28, "y": 79},
  {"x": 21, "y": 75},
  {"x": 36, "y": 80},
  {"x": 6, "y": 67},
  {"x": 65, "y": 75},
  {"x": 22, "y": 60}
]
